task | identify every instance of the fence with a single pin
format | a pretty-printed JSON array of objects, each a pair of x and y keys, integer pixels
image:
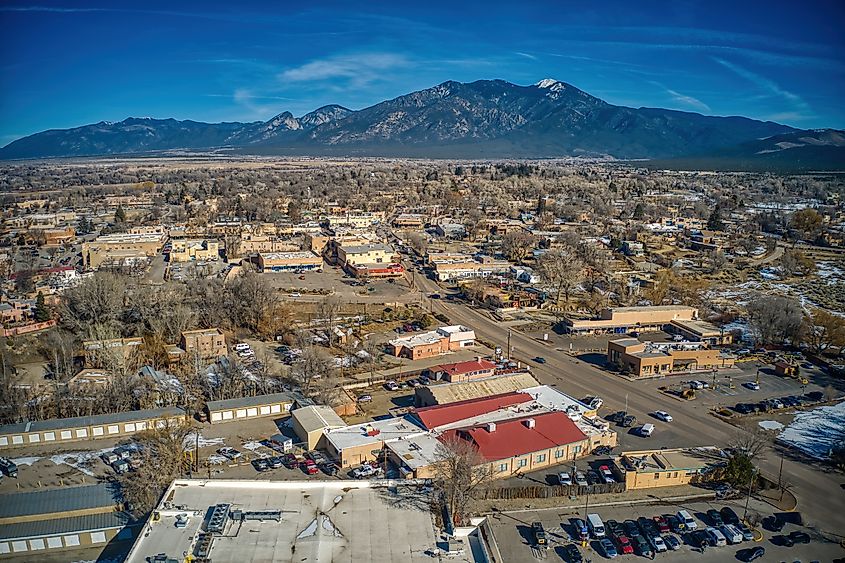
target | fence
[
  {"x": 541, "y": 491},
  {"x": 26, "y": 329}
]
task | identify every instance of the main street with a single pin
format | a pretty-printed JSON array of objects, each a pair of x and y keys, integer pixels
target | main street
[{"x": 820, "y": 492}]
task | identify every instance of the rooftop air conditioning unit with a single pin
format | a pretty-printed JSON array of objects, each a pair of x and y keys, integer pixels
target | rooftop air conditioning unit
[
  {"x": 529, "y": 422},
  {"x": 491, "y": 427}
]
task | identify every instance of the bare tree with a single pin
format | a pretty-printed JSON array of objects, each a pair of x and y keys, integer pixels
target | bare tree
[
  {"x": 314, "y": 364},
  {"x": 517, "y": 245},
  {"x": 563, "y": 270},
  {"x": 95, "y": 305},
  {"x": 327, "y": 310},
  {"x": 162, "y": 461},
  {"x": 773, "y": 319},
  {"x": 460, "y": 472}
]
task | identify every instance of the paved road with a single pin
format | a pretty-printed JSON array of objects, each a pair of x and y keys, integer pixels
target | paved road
[{"x": 821, "y": 494}]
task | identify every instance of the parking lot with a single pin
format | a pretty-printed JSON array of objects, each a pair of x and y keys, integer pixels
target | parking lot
[
  {"x": 313, "y": 285},
  {"x": 516, "y": 541}
]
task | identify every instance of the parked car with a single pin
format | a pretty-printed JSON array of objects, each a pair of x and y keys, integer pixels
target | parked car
[
  {"x": 688, "y": 521},
  {"x": 662, "y": 524},
  {"x": 538, "y": 533},
  {"x": 672, "y": 542},
  {"x": 815, "y": 396},
  {"x": 631, "y": 529},
  {"x": 571, "y": 553},
  {"x": 628, "y": 421},
  {"x": 365, "y": 398},
  {"x": 275, "y": 462},
  {"x": 614, "y": 528},
  {"x": 728, "y": 515},
  {"x": 799, "y": 537},
  {"x": 753, "y": 385},
  {"x": 391, "y": 386},
  {"x": 700, "y": 539},
  {"x": 715, "y": 537},
  {"x": 261, "y": 465},
  {"x": 616, "y": 417},
  {"x": 309, "y": 467},
  {"x": 593, "y": 478},
  {"x": 675, "y": 524},
  {"x": 657, "y": 543},
  {"x": 751, "y": 554},
  {"x": 564, "y": 478},
  {"x": 581, "y": 531},
  {"x": 109, "y": 457},
  {"x": 580, "y": 479},
  {"x": 413, "y": 383},
  {"x": 241, "y": 347},
  {"x": 602, "y": 450},
  {"x": 363, "y": 472},
  {"x": 641, "y": 546},
  {"x": 424, "y": 380},
  {"x": 290, "y": 461},
  {"x": 714, "y": 517},
  {"x": 608, "y": 548},
  {"x": 732, "y": 535},
  {"x": 120, "y": 466},
  {"x": 746, "y": 532},
  {"x": 646, "y": 430},
  {"x": 607, "y": 474},
  {"x": 773, "y": 523},
  {"x": 230, "y": 453},
  {"x": 329, "y": 468},
  {"x": 623, "y": 544},
  {"x": 663, "y": 415}
]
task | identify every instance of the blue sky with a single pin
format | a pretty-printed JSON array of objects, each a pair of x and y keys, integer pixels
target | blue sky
[{"x": 68, "y": 64}]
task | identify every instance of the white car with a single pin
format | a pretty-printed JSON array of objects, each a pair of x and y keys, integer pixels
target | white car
[
  {"x": 658, "y": 544},
  {"x": 564, "y": 479},
  {"x": 753, "y": 385},
  {"x": 295, "y": 294},
  {"x": 580, "y": 479},
  {"x": 696, "y": 385},
  {"x": 663, "y": 415},
  {"x": 241, "y": 347},
  {"x": 230, "y": 453}
]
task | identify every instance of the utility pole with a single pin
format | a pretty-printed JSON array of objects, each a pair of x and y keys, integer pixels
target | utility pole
[
  {"x": 509, "y": 344},
  {"x": 748, "y": 497},
  {"x": 780, "y": 476}
]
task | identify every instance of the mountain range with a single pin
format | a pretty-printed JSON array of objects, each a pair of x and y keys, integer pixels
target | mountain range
[{"x": 482, "y": 119}]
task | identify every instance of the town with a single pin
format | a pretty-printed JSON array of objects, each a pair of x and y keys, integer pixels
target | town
[{"x": 516, "y": 361}]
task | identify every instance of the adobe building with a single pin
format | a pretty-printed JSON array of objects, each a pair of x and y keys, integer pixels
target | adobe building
[
  {"x": 194, "y": 250},
  {"x": 289, "y": 261},
  {"x": 619, "y": 320},
  {"x": 121, "y": 248},
  {"x": 433, "y": 343},
  {"x": 465, "y": 371},
  {"x": 650, "y": 359},
  {"x": 207, "y": 343},
  {"x": 650, "y": 469}
]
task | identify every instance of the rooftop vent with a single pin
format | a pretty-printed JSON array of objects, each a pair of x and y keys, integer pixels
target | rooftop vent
[
  {"x": 529, "y": 423},
  {"x": 491, "y": 427}
]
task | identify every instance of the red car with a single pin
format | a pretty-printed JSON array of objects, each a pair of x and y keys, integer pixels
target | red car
[
  {"x": 309, "y": 467},
  {"x": 623, "y": 544},
  {"x": 662, "y": 524}
]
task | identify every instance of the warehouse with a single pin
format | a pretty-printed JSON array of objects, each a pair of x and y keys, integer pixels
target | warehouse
[
  {"x": 87, "y": 427},
  {"x": 275, "y": 404},
  {"x": 445, "y": 393},
  {"x": 59, "y": 519}
]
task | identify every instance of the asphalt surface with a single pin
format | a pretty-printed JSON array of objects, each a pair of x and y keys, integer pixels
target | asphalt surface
[{"x": 821, "y": 493}]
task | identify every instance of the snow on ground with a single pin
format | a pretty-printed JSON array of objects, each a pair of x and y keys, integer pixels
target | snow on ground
[
  {"x": 770, "y": 273},
  {"x": 190, "y": 441},
  {"x": 816, "y": 431},
  {"x": 742, "y": 326},
  {"x": 25, "y": 460},
  {"x": 830, "y": 272},
  {"x": 217, "y": 459},
  {"x": 770, "y": 425},
  {"x": 253, "y": 445},
  {"x": 81, "y": 461}
]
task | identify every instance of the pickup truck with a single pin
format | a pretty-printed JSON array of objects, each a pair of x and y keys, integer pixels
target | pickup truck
[{"x": 8, "y": 467}]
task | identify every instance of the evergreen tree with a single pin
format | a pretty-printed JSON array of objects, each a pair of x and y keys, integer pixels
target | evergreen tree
[
  {"x": 120, "y": 215},
  {"x": 714, "y": 222},
  {"x": 41, "y": 312}
]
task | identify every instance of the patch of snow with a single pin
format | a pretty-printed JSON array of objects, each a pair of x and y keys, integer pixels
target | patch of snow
[
  {"x": 816, "y": 432},
  {"x": 217, "y": 459},
  {"x": 309, "y": 530},
  {"x": 550, "y": 83},
  {"x": 770, "y": 274},
  {"x": 25, "y": 460},
  {"x": 329, "y": 526},
  {"x": 770, "y": 425},
  {"x": 253, "y": 445},
  {"x": 190, "y": 441}
]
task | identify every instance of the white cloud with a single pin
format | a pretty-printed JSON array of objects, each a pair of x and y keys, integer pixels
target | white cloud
[
  {"x": 797, "y": 105},
  {"x": 526, "y": 55},
  {"x": 688, "y": 100},
  {"x": 357, "y": 69}
]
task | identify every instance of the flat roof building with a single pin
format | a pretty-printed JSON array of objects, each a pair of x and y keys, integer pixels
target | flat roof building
[
  {"x": 649, "y": 469},
  {"x": 290, "y": 521},
  {"x": 289, "y": 261},
  {"x": 445, "y": 393},
  {"x": 120, "y": 247},
  {"x": 207, "y": 343},
  {"x": 355, "y": 444},
  {"x": 620, "y": 320},
  {"x": 274, "y": 404},
  {"x": 700, "y": 331},
  {"x": 651, "y": 359},
  {"x": 433, "y": 343}
]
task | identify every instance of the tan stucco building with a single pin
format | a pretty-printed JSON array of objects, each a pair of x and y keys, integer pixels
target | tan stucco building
[
  {"x": 624, "y": 319},
  {"x": 649, "y": 359},
  {"x": 186, "y": 250},
  {"x": 650, "y": 469}
]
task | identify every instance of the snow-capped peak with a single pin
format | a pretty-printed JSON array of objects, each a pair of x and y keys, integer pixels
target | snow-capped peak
[{"x": 550, "y": 83}]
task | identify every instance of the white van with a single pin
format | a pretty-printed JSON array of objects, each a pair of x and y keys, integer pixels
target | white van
[
  {"x": 689, "y": 522},
  {"x": 716, "y": 538},
  {"x": 595, "y": 525},
  {"x": 731, "y": 534},
  {"x": 647, "y": 430}
]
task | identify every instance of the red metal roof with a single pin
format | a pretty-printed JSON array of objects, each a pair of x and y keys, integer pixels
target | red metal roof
[
  {"x": 441, "y": 415},
  {"x": 514, "y": 438},
  {"x": 461, "y": 368}
]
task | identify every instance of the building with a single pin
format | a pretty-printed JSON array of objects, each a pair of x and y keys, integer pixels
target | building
[
  {"x": 446, "y": 393},
  {"x": 251, "y": 243},
  {"x": 411, "y": 221},
  {"x": 194, "y": 250},
  {"x": 207, "y": 343},
  {"x": 620, "y": 320},
  {"x": 650, "y": 469},
  {"x": 433, "y": 343},
  {"x": 56, "y": 237},
  {"x": 416, "y": 456},
  {"x": 650, "y": 359},
  {"x": 465, "y": 371},
  {"x": 292, "y": 521},
  {"x": 525, "y": 444},
  {"x": 121, "y": 248},
  {"x": 366, "y": 254},
  {"x": 311, "y": 422},
  {"x": 376, "y": 271},
  {"x": 274, "y": 404},
  {"x": 60, "y": 430},
  {"x": 356, "y": 444},
  {"x": 355, "y": 219},
  {"x": 114, "y": 351},
  {"x": 450, "y": 230},
  {"x": 633, "y": 248},
  {"x": 34, "y": 524},
  {"x": 469, "y": 267},
  {"x": 289, "y": 261},
  {"x": 700, "y": 331}
]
